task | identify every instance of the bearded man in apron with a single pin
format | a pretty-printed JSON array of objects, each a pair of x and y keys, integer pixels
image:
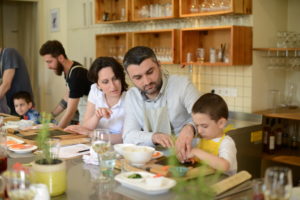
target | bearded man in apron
[{"x": 159, "y": 105}]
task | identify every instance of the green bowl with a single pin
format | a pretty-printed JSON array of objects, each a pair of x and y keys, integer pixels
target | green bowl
[{"x": 178, "y": 171}]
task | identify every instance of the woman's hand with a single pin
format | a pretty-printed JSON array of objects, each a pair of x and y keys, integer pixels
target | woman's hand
[
  {"x": 103, "y": 112},
  {"x": 78, "y": 129}
]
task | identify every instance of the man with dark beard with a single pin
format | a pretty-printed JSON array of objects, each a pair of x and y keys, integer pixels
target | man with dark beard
[
  {"x": 78, "y": 85},
  {"x": 159, "y": 105}
]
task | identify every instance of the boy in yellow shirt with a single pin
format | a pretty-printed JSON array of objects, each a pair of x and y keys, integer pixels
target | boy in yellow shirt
[{"x": 210, "y": 114}]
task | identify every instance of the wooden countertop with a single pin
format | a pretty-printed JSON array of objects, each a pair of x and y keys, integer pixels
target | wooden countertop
[{"x": 284, "y": 113}]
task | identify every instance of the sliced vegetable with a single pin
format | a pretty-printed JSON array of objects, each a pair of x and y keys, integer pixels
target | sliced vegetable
[{"x": 135, "y": 176}]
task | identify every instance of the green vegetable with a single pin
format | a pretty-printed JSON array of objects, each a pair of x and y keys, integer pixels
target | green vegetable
[{"x": 135, "y": 175}]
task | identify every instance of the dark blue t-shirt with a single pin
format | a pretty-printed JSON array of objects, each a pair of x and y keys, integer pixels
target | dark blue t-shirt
[{"x": 21, "y": 82}]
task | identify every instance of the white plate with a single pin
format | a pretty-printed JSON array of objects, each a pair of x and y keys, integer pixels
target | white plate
[
  {"x": 159, "y": 154},
  {"x": 142, "y": 186},
  {"x": 10, "y": 138},
  {"x": 27, "y": 150}
]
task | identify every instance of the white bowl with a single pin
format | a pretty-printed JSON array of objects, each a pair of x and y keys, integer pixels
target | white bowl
[
  {"x": 119, "y": 147},
  {"x": 138, "y": 155}
]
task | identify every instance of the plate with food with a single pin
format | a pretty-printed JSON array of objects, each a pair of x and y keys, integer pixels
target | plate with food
[
  {"x": 157, "y": 154},
  {"x": 145, "y": 182},
  {"x": 22, "y": 148},
  {"x": 12, "y": 140}
]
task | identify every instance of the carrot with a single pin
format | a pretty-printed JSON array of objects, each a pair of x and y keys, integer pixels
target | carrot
[{"x": 20, "y": 146}]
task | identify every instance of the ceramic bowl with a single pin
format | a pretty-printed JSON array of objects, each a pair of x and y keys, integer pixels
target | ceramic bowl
[
  {"x": 138, "y": 155},
  {"x": 119, "y": 147},
  {"x": 178, "y": 171}
]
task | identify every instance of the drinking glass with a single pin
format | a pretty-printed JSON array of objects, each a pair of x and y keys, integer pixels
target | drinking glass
[
  {"x": 3, "y": 150},
  {"x": 257, "y": 188},
  {"x": 278, "y": 183},
  {"x": 54, "y": 144},
  {"x": 101, "y": 144},
  {"x": 18, "y": 185}
]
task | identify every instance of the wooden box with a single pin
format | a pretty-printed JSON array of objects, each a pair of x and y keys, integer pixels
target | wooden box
[
  {"x": 154, "y": 9},
  {"x": 238, "y": 41},
  {"x": 165, "y": 44},
  {"x": 190, "y": 8},
  {"x": 112, "y": 11},
  {"x": 113, "y": 45}
]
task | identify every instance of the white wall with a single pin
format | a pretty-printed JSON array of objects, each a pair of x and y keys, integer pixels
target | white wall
[{"x": 52, "y": 87}]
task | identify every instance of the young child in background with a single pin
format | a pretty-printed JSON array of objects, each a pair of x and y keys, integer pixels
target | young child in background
[
  {"x": 23, "y": 106},
  {"x": 210, "y": 113}
]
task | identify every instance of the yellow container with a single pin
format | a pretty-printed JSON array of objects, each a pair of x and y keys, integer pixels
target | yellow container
[{"x": 53, "y": 175}]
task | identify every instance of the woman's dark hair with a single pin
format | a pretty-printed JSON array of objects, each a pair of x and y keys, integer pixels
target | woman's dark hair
[
  {"x": 102, "y": 62},
  {"x": 54, "y": 48},
  {"x": 137, "y": 55},
  {"x": 212, "y": 105}
]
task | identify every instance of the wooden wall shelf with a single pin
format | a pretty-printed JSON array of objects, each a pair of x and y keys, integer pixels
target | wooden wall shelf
[
  {"x": 163, "y": 42},
  {"x": 191, "y": 8},
  {"x": 154, "y": 9},
  {"x": 238, "y": 40},
  {"x": 113, "y": 45},
  {"x": 283, "y": 113},
  {"x": 112, "y": 11},
  {"x": 276, "y": 49}
]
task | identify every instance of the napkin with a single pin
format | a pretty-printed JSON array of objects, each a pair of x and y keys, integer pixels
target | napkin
[{"x": 92, "y": 158}]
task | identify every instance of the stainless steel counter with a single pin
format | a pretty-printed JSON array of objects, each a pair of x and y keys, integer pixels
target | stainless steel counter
[{"x": 82, "y": 185}]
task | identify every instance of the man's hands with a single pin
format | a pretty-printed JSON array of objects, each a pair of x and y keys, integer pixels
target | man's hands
[
  {"x": 103, "y": 112},
  {"x": 183, "y": 143},
  {"x": 165, "y": 140}
]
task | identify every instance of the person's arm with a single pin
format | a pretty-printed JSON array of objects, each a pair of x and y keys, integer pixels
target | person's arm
[
  {"x": 95, "y": 115},
  {"x": 133, "y": 133},
  {"x": 61, "y": 106},
  {"x": 7, "y": 78},
  {"x": 212, "y": 160},
  {"x": 183, "y": 143},
  {"x": 70, "y": 111}
]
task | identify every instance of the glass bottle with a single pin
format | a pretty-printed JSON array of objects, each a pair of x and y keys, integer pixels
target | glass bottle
[
  {"x": 266, "y": 132},
  {"x": 271, "y": 138},
  {"x": 279, "y": 134},
  {"x": 194, "y": 8}
]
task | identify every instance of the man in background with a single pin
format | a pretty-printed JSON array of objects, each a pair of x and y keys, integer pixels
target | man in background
[
  {"x": 14, "y": 78},
  {"x": 78, "y": 85}
]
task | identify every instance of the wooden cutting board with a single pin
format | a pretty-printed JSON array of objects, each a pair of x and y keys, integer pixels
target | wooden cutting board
[
  {"x": 7, "y": 117},
  {"x": 155, "y": 168},
  {"x": 67, "y": 138}
]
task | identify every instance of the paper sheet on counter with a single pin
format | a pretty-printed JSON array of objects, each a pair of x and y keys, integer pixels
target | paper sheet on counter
[{"x": 73, "y": 150}]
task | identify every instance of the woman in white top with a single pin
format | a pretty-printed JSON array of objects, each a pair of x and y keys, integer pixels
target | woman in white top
[{"x": 105, "y": 107}]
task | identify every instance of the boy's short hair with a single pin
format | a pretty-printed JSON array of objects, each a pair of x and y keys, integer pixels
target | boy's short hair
[
  {"x": 136, "y": 55},
  {"x": 212, "y": 105},
  {"x": 23, "y": 95}
]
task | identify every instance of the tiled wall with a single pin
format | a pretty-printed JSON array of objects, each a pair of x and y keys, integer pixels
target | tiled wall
[{"x": 207, "y": 78}]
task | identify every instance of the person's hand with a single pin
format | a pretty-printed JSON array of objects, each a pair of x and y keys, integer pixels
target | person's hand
[
  {"x": 77, "y": 129},
  {"x": 183, "y": 143},
  {"x": 163, "y": 139},
  {"x": 103, "y": 112}
]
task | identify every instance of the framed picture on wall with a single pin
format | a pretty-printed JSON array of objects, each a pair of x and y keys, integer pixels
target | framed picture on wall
[{"x": 54, "y": 20}]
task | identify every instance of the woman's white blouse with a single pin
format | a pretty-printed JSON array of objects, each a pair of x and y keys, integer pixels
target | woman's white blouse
[{"x": 116, "y": 120}]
